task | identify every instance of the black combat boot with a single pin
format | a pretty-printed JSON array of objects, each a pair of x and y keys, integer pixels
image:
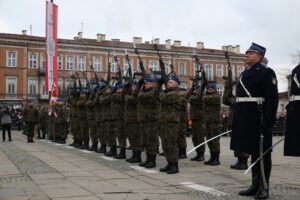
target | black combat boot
[
  {"x": 199, "y": 157},
  {"x": 102, "y": 149},
  {"x": 122, "y": 154},
  {"x": 78, "y": 144},
  {"x": 143, "y": 164},
  {"x": 112, "y": 152},
  {"x": 165, "y": 168},
  {"x": 182, "y": 154},
  {"x": 252, "y": 190},
  {"x": 152, "y": 162},
  {"x": 173, "y": 169},
  {"x": 137, "y": 158},
  {"x": 263, "y": 192},
  {"x": 85, "y": 145},
  {"x": 94, "y": 147},
  {"x": 133, "y": 155},
  {"x": 214, "y": 159}
]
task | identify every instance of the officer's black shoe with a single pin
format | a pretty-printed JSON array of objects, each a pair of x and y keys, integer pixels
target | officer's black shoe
[
  {"x": 112, "y": 151},
  {"x": 251, "y": 191},
  {"x": 198, "y": 157},
  {"x": 102, "y": 149},
  {"x": 262, "y": 193},
  {"x": 182, "y": 154},
  {"x": 137, "y": 158},
  {"x": 165, "y": 168},
  {"x": 173, "y": 169},
  {"x": 234, "y": 166},
  {"x": 152, "y": 162},
  {"x": 121, "y": 155},
  {"x": 143, "y": 164}
]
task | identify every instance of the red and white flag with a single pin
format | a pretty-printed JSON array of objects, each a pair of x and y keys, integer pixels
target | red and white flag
[{"x": 51, "y": 80}]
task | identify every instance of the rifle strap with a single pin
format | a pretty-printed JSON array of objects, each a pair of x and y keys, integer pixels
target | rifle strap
[
  {"x": 296, "y": 81},
  {"x": 242, "y": 84}
]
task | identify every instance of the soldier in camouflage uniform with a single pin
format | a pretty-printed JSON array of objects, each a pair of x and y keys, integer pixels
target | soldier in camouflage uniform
[
  {"x": 43, "y": 117},
  {"x": 59, "y": 118},
  {"x": 90, "y": 109},
  {"x": 170, "y": 122},
  {"x": 242, "y": 158},
  {"x": 148, "y": 115},
  {"x": 212, "y": 108},
  {"x": 195, "y": 97},
  {"x": 182, "y": 125},
  {"x": 133, "y": 129},
  {"x": 82, "y": 120},
  {"x": 74, "y": 118},
  {"x": 30, "y": 116},
  {"x": 109, "y": 126}
]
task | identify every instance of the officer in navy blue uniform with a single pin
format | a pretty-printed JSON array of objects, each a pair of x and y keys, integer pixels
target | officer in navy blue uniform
[
  {"x": 292, "y": 136},
  {"x": 255, "y": 111}
]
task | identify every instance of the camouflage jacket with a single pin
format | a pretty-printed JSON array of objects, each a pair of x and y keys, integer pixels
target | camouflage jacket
[
  {"x": 212, "y": 107},
  {"x": 170, "y": 106}
]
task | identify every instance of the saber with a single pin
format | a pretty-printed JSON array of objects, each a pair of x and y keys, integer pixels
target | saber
[
  {"x": 251, "y": 166},
  {"x": 203, "y": 143}
]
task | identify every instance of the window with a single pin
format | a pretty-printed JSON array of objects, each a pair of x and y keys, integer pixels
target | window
[
  {"x": 32, "y": 86},
  {"x": 60, "y": 62},
  {"x": 220, "y": 89},
  {"x": 182, "y": 69},
  {"x": 114, "y": 65},
  {"x": 11, "y": 85},
  {"x": 44, "y": 94},
  {"x": 68, "y": 84},
  {"x": 208, "y": 71},
  {"x": 32, "y": 60},
  {"x": 69, "y": 63},
  {"x": 167, "y": 67},
  {"x": 43, "y": 61},
  {"x": 81, "y": 63},
  {"x": 219, "y": 71},
  {"x": 240, "y": 69},
  {"x": 11, "y": 59},
  {"x": 126, "y": 66},
  {"x": 97, "y": 64},
  {"x": 60, "y": 87},
  {"x": 154, "y": 65},
  {"x": 232, "y": 70}
]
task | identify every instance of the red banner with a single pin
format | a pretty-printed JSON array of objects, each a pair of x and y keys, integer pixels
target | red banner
[{"x": 51, "y": 78}]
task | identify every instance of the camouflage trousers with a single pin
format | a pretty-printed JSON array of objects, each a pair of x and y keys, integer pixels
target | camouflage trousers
[
  {"x": 93, "y": 131},
  {"x": 84, "y": 132},
  {"x": 198, "y": 131},
  {"x": 134, "y": 135},
  {"x": 181, "y": 136},
  {"x": 111, "y": 132},
  {"x": 150, "y": 137},
  {"x": 75, "y": 128},
  {"x": 213, "y": 129},
  {"x": 101, "y": 132},
  {"x": 30, "y": 129},
  {"x": 240, "y": 154},
  {"x": 169, "y": 139},
  {"x": 59, "y": 131},
  {"x": 121, "y": 133}
]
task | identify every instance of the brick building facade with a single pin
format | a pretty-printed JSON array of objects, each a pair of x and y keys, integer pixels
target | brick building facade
[{"x": 22, "y": 62}]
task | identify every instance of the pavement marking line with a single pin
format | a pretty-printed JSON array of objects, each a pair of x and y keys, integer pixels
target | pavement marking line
[
  {"x": 142, "y": 169},
  {"x": 107, "y": 158},
  {"x": 86, "y": 151},
  {"x": 203, "y": 188},
  {"x": 69, "y": 147}
]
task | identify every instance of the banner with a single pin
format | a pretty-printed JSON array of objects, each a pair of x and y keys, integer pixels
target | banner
[{"x": 51, "y": 78}]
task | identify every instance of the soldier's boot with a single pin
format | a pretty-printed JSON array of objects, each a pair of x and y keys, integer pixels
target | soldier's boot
[
  {"x": 133, "y": 155},
  {"x": 122, "y": 154},
  {"x": 165, "y": 168},
  {"x": 182, "y": 154},
  {"x": 199, "y": 157},
  {"x": 173, "y": 169},
  {"x": 78, "y": 144},
  {"x": 214, "y": 159},
  {"x": 263, "y": 192},
  {"x": 94, "y": 147},
  {"x": 252, "y": 190},
  {"x": 143, "y": 164},
  {"x": 102, "y": 149},
  {"x": 152, "y": 162},
  {"x": 137, "y": 158},
  {"x": 112, "y": 151},
  {"x": 85, "y": 145},
  {"x": 242, "y": 164}
]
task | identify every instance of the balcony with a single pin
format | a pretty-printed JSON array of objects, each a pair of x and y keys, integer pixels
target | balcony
[{"x": 41, "y": 72}]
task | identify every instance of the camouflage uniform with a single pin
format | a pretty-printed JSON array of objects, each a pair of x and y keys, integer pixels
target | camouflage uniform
[
  {"x": 148, "y": 115},
  {"x": 100, "y": 124},
  {"x": 43, "y": 117},
  {"x": 212, "y": 108},
  {"x": 30, "y": 116},
  {"x": 59, "y": 119},
  {"x": 82, "y": 122},
  {"x": 74, "y": 121},
  {"x": 182, "y": 126},
  {"x": 90, "y": 109}
]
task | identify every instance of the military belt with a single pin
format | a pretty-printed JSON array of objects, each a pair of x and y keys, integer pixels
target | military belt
[
  {"x": 250, "y": 99},
  {"x": 295, "y": 98}
]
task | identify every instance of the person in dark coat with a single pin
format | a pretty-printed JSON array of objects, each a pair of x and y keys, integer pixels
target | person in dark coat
[
  {"x": 6, "y": 123},
  {"x": 292, "y": 135},
  {"x": 255, "y": 111}
]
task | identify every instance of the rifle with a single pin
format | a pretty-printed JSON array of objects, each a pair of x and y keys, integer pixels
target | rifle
[
  {"x": 202, "y": 79},
  {"x": 74, "y": 83},
  {"x": 79, "y": 81},
  {"x": 119, "y": 72},
  {"x": 129, "y": 70},
  {"x": 108, "y": 68},
  {"x": 95, "y": 75},
  {"x": 171, "y": 66},
  {"x": 88, "y": 87},
  {"x": 141, "y": 64},
  {"x": 162, "y": 66},
  {"x": 229, "y": 78}
]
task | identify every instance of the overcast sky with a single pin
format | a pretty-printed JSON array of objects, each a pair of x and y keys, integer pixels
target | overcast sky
[{"x": 271, "y": 23}]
